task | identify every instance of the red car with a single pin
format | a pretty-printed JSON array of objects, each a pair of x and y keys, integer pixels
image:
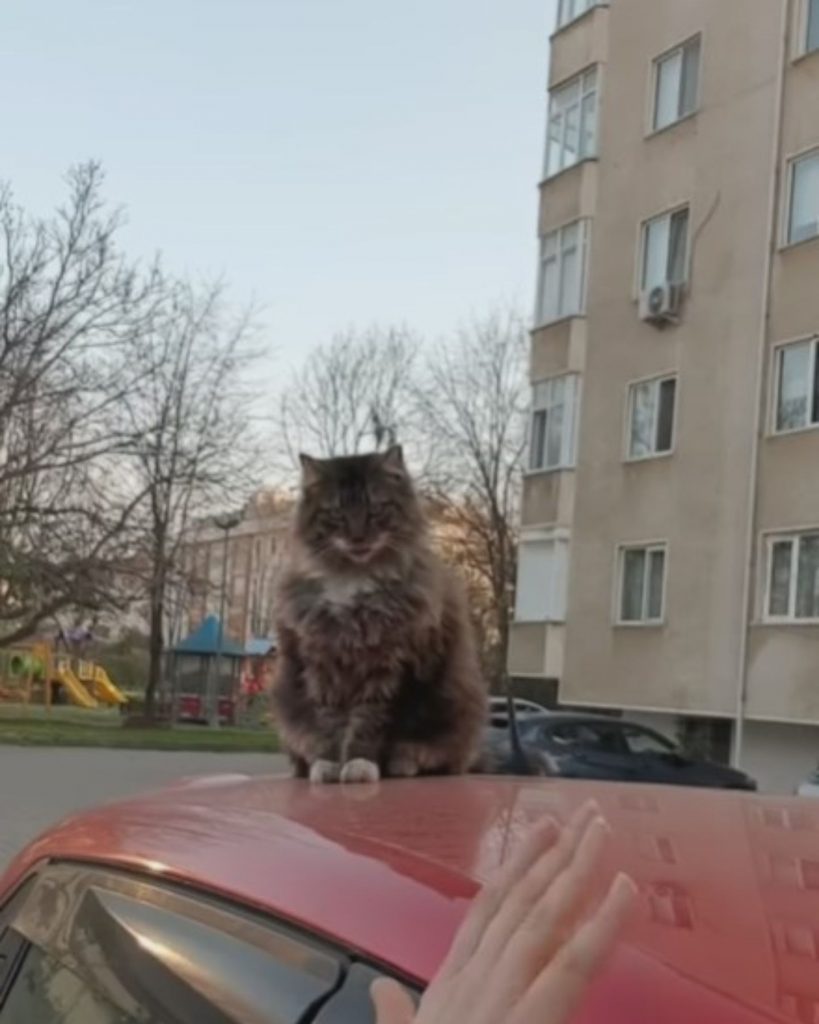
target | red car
[{"x": 267, "y": 900}]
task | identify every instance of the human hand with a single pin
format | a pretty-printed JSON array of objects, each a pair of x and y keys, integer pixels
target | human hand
[{"x": 523, "y": 955}]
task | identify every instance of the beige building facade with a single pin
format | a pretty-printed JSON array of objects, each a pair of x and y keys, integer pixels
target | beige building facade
[
  {"x": 254, "y": 548},
  {"x": 670, "y": 539}
]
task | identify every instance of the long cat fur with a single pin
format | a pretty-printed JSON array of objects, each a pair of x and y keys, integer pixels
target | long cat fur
[{"x": 377, "y": 670}]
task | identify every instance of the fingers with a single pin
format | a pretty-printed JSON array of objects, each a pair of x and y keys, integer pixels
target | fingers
[
  {"x": 534, "y": 882},
  {"x": 489, "y": 901},
  {"x": 393, "y": 1004},
  {"x": 553, "y": 916},
  {"x": 555, "y": 994}
]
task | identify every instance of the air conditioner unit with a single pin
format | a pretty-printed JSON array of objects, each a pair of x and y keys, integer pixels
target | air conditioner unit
[{"x": 662, "y": 303}]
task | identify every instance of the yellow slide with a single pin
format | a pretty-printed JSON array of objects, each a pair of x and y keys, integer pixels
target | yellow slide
[
  {"x": 104, "y": 688},
  {"x": 74, "y": 689}
]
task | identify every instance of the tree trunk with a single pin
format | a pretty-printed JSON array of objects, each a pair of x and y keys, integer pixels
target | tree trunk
[{"x": 155, "y": 646}]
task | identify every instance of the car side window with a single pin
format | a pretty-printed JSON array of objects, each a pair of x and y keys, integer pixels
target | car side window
[
  {"x": 609, "y": 741},
  {"x": 104, "y": 948},
  {"x": 640, "y": 742},
  {"x": 47, "y": 992}
]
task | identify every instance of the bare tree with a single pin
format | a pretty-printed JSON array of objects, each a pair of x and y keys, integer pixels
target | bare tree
[
  {"x": 460, "y": 416},
  {"x": 69, "y": 306},
  {"x": 198, "y": 448},
  {"x": 351, "y": 395},
  {"x": 472, "y": 401}
]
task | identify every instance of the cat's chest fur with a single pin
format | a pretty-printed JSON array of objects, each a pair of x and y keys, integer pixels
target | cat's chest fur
[
  {"x": 342, "y": 617},
  {"x": 346, "y": 594}
]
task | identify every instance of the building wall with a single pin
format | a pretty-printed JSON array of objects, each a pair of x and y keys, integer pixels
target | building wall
[
  {"x": 721, "y": 162},
  {"x": 694, "y": 499},
  {"x": 780, "y": 756}
]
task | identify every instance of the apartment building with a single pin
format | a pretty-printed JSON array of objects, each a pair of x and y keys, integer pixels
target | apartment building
[
  {"x": 669, "y": 562},
  {"x": 254, "y": 548}
]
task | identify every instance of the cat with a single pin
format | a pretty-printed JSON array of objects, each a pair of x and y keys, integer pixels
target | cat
[{"x": 377, "y": 669}]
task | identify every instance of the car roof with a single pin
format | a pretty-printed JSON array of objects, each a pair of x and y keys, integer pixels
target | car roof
[
  {"x": 587, "y": 718},
  {"x": 388, "y": 871}
]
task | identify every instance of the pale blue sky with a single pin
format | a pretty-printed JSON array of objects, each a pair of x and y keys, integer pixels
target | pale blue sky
[{"x": 345, "y": 161}]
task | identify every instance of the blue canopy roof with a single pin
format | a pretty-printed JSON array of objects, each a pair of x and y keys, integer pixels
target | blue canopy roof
[
  {"x": 259, "y": 646},
  {"x": 205, "y": 641}
]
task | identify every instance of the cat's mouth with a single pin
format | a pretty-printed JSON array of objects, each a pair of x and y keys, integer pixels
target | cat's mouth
[{"x": 359, "y": 551}]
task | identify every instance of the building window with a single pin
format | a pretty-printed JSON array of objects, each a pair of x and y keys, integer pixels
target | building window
[
  {"x": 651, "y": 417},
  {"x": 569, "y": 10},
  {"x": 561, "y": 286},
  {"x": 793, "y": 577},
  {"x": 797, "y": 386},
  {"x": 562, "y": 278},
  {"x": 803, "y": 215},
  {"x": 811, "y": 36},
  {"x": 676, "y": 84},
  {"x": 642, "y": 584},
  {"x": 665, "y": 250},
  {"x": 572, "y": 134},
  {"x": 542, "y": 580},
  {"x": 554, "y": 410}
]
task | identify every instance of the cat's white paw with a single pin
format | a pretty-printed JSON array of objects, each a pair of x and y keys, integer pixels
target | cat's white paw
[
  {"x": 360, "y": 770},
  {"x": 322, "y": 771}
]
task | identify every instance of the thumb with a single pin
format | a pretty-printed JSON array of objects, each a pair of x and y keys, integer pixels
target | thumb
[{"x": 393, "y": 1004}]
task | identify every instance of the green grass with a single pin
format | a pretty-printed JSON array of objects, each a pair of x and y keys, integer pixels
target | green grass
[{"x": 73, "y": 727}]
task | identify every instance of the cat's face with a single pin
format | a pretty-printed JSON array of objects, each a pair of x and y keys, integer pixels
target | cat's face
[{"x": 358, "y": 509}]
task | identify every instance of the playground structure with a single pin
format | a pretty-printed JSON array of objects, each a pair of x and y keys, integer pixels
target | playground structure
[
  {"x": 35, "y": 674},
  {"x": 206, "y": 665}
]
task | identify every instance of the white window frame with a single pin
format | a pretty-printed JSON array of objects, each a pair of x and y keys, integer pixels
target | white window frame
[
  {"x": 584, "y": 92},
  {"x": 801, "y": 27},
  {"x": 653, "y": 127},
  {"x": 642, "y": 241},
  {"x": 795, "y": 538},
  {"x": 776, "y": 379},
  {"x": 571, "y": 405},
  {"x": 620, "y": 560},
  {"x": 559, "y": 584},
  {"x": 631, "y": 389},
  {"x": 583, "y": 229},
  {"x": 564, "y": 19},
  {"x": 792, "y": 161}
]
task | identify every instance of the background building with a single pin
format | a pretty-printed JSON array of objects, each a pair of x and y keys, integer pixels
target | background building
[
  {"x": 254, "y": 552},
  {"x": 670, "y": 551}
]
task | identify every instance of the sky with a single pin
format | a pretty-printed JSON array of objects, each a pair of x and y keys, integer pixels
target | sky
[{"x": 340, "y": 162}]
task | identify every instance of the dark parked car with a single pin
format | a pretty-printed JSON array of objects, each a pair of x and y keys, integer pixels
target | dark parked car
[{"x": 593, "y": 747}]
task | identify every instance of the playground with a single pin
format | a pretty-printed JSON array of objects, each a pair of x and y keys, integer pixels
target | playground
[
  {"x": 55, "y": 694},
  {"x": 38, "y": 675}
]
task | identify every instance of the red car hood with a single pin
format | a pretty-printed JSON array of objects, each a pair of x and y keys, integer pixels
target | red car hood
[{"x": 729, "y": 924}]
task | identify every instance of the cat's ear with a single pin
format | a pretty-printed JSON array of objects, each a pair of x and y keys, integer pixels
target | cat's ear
[
  {"x": 310, "y": 470},
  {"x": 393, "y": 460}
]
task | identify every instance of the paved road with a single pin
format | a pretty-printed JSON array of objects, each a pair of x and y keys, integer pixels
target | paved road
[{"x": 40, "y": 785}]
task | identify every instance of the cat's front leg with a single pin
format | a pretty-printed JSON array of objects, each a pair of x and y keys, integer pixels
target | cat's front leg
[
  {"x": 326, "y": 762},
  {"x": 363, "y": 742}
]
